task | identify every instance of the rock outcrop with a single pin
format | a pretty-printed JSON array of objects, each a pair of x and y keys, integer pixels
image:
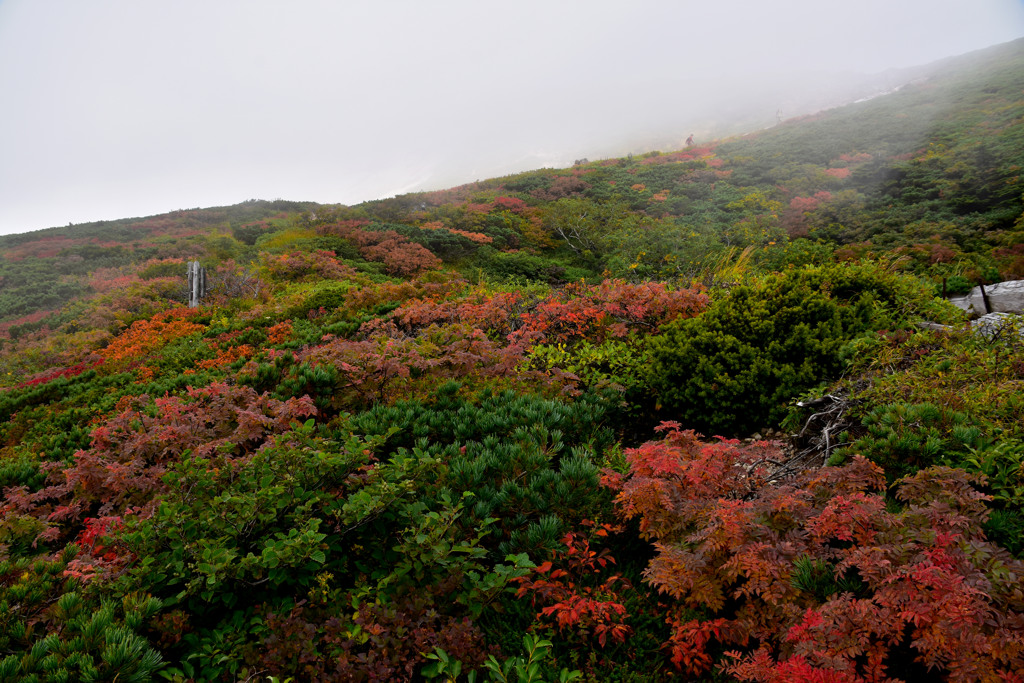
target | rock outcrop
[
  {"x": 1004, "y": 297},
  {"x": 995, "y": 324}
]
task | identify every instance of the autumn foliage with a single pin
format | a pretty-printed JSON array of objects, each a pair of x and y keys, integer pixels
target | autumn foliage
[
  {"x": 377, "y": 448},
  {"x": 569, "y": 596},
  {"x": 144, "y": 337},
  {"x": 399, "y": 256},
  {"x": 817, "y": 573},
  {"x": 128, "y": 454}
]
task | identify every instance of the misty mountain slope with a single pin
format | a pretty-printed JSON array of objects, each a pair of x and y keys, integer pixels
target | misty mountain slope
[
  {"x": 462, "y": 430},
  {"x": 944, "y": 151},
  {"x": 931, "y": 171},
  {"x": 958, "y": 93}
]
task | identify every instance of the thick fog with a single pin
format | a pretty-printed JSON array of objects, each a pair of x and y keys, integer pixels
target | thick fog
[{"x": 118, "y": 108}]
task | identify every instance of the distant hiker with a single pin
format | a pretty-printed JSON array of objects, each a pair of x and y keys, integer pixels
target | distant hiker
[{"x": 689, "y": 140}]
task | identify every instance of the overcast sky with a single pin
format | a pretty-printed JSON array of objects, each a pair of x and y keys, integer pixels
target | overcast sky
[{"x": 120, "y": 108}]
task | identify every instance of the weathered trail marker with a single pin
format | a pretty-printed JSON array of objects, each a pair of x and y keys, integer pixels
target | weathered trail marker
[{"x": 196, "y": 283}]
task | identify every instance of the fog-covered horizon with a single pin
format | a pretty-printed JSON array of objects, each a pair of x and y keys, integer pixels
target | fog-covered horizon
[{"x": 114, "y": 109}]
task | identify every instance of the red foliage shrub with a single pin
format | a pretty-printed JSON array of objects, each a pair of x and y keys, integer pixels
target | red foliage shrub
[
  {"x": 399, "y": 256},
  {"x": 569, "y": 594},
  {"x": 99, "y": 554},
  {"x": 479, "y": 208},
  {"x": 494, "y": 312},
  {"x": 106, "y": 279},
  {"x": 127, "y": 457},
  {"x": 809, "y": 203},
  {"x": 817, "y": 570},
  {"x": 386, "y": 367},
  {"x": 576, "y": 311},
  {"x": 49, "y": 376},
  {"x": 612, "y": 308},
  {"x": 1010, "y": 259},
  {"x": 369, "y": 296},
  {"x": 226, "y": 357},
  {"x": 42, "y": 247},
  {"x": 928, "y": 253},
  {"x": 513, "y": 204},
  {"x": 312, "y": 644},
  {"x": 35, "y": 317}
]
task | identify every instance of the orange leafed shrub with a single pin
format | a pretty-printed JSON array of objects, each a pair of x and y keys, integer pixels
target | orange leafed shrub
[
  {"x": 146, "y": 336},
  {"x": 144, "y": 373},
  {"x": 279, "y": 333},
  {"x": 226, "y": 357},
  {"x": 477, "y": 237},
  {"x": 399, "y": 256}
]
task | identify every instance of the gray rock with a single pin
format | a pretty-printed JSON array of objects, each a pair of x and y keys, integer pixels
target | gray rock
[
  {"x": 995, "y": 323},
  {"x": 929, "y": 325},
  {"x": 1003, "y": 297}
]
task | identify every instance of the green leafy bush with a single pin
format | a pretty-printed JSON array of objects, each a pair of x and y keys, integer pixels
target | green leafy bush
[
  {"x": 226, "y": 527},
  {"x": 326, "y": 295}
]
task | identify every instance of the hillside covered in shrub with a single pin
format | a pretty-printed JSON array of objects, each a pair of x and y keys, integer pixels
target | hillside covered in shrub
[{"x": 663, "y": 416}]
